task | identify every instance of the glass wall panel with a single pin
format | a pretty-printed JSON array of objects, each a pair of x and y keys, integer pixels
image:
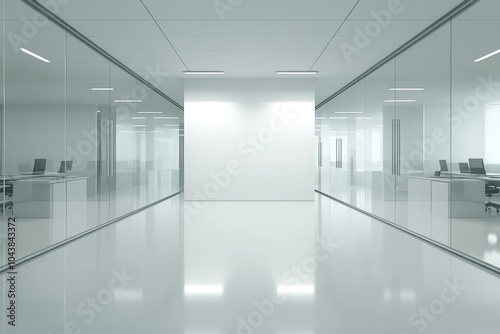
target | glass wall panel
[
  {"x": 127, "y": 147},
  {"x": 347, "y": 126},
  {"x": 474, "y": 121},
  {"x": 87, "y": 131},
  {"x": 81, "y": 141},
  {"x": 324, "y": 162},
  {"x": 423, "y": 135},
  {"x": 6, "y": 212},
  {"x": 34, "y": 129},
  {"x": 427, "y": 140},
  {"x": 380, "y": 140}
]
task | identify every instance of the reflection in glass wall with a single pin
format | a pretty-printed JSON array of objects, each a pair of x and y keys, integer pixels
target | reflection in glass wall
[
  {"x": 35, "y": 136},
  {"x": 418, "y": 138},
  {"x": 474, "y": 120},
  {"x": 83, "y": 142}
]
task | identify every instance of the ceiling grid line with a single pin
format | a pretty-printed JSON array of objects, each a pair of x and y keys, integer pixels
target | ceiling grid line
[
  {"x": 163, "y": 33},
  {"x": 334, "y": 35}
]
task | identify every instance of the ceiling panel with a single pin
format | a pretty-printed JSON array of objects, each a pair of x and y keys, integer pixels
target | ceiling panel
[
  {"x": 252, "y": 38},
  {"x": 265, "y": 68},
  {"x": 244, "y": 56},
  {"x": 251, "y": 9},
  {"x": 146, "y": 56},
  {"x": 121, "y": 44},
  {"x": 407, "y": 10},
  {"x": 395, "y": 28},
  {"x": 92, "y": 10},
  {"x": 117, "y": 28},
  {"x": 256, "y": 28},
  {"x": 249, "y": 43}
]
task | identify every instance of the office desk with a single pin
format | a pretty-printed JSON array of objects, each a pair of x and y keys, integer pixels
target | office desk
[
  {"x": 450, "y": 197},
  {"x": 46, "y": 197},
  {"x": 433, "y": 201}
]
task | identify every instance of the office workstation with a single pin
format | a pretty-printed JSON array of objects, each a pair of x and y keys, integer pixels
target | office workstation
[
  {"x": 38, "y": 194},
  {"x": 467, "y": 188}
]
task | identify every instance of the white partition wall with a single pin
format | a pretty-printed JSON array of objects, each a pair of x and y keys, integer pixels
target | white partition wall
[{"x": 249, "y": 139}]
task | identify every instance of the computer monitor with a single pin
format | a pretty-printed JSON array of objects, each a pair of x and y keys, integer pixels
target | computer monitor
[
  {"x": 39, "y": 167},
  {"x": 443, "y": 165},
  {"x": 476, "y": 166},
  {"x": 65, "y": 166},
  {"x": 464, "y": 167}
]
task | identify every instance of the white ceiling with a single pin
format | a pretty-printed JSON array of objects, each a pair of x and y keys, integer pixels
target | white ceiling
[{"x": 255, "y": 39}]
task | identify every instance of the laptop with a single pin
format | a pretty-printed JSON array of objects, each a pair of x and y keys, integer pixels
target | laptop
[
  {"x": 38, "y": 168},
  {"x": 443, "y": 165},
  {"x": 65, "y": 166},
  {"x": 464, "y": 167}
]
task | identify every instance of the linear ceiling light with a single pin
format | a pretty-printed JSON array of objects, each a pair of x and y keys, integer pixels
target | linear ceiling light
[
  {"x": 101, "y": 89},
  {"x": 34, "y": 55},
  {"x": 297, "y": 72},
  {"x": 129, "y": 101},
  {"x": 204, "y": 72},
  {"x": 150, "y": 112},
  {"x": 163, "y": 117},
  {"x": 406, "y": 89},
  {"x": 487, "y": 56},
  {"x": 348, "y": 112},
  {"x": 400, "y": 101}
]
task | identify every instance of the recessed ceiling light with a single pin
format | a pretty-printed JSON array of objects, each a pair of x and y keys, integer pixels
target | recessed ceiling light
[
  {"x": 204, "y": 72},
  {"x": 487, "y": 56},
  {"x": 138, "y": 117},
  {"x": 406, "y": 89},
  {"x": 139, "y": 125},
  {"x": 297, "y": 72},
  {"x": 150, "y": 112},
  {"x": 34, "y": 55},
  {"x": 129, "y": 101},
  {"x": 400, "y": 101},
  {"x": 101, "y": 89},
  {"x": 172, "y": 125},
  {"x": 163, "y": 117}
]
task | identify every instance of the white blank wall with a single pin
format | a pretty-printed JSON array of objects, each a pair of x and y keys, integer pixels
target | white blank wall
[{"x": 249, "y": 139}]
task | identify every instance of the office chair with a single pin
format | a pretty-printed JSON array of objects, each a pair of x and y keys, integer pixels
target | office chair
[{"x": 491, "y": 190}]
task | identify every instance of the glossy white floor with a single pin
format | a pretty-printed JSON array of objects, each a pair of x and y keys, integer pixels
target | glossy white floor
[{"x": 294, "y": 268}]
